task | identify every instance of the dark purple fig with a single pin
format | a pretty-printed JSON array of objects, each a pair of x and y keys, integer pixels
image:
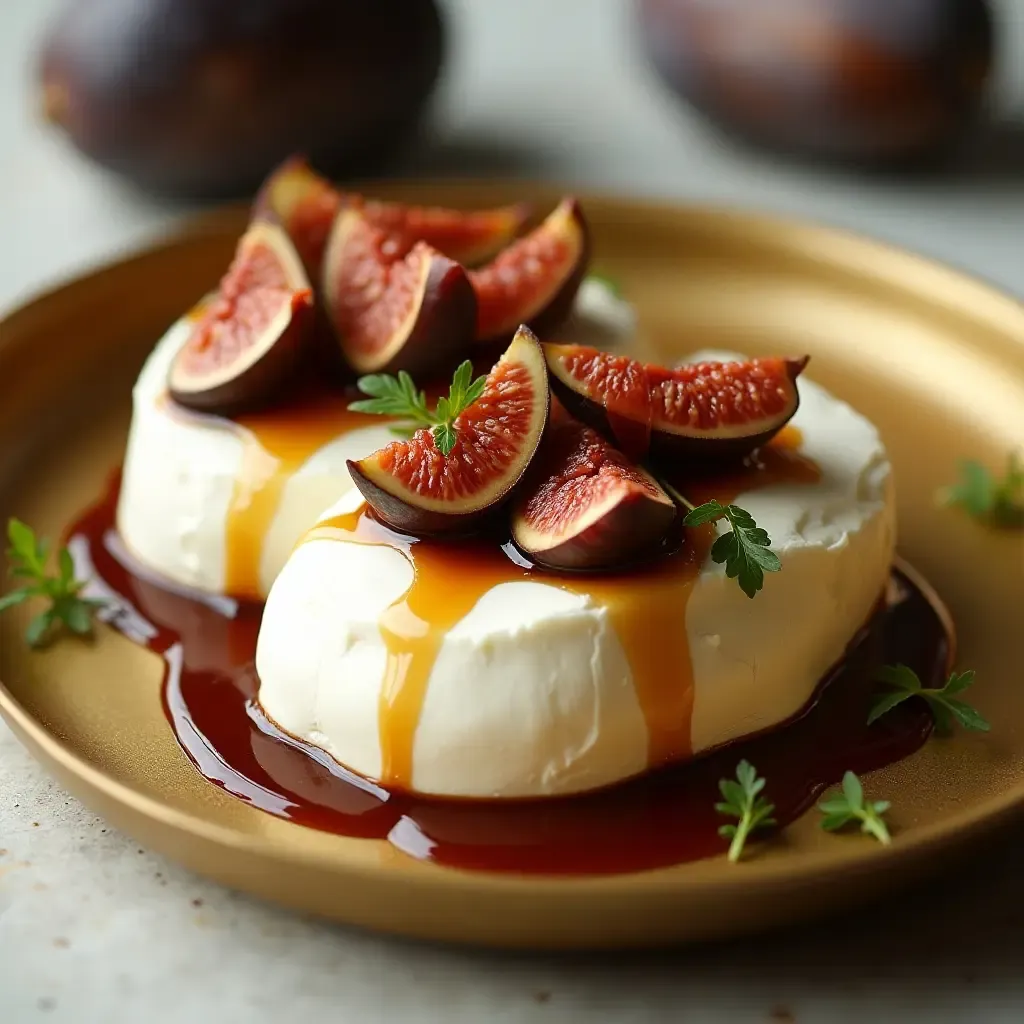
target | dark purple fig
[
  {"x": 867, "y": 81},
  {"x": 535, "y": 280},
  {"x": 247, "y": 342},
  {"x": 417, "y": 488},
  {"x": 701, "y": 412},
  {"x": 206, "y": 97},
  {"x": 394, "y": 308},
  {"x": 306, "y": 204},
  {"x": 584, "y": 505}
]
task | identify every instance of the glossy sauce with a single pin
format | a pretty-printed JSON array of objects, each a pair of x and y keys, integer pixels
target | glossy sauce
[
  {"x": 664, "y": 818},
  {"x": 647, "y": 608},
  {"x": 276, "y": 443}
]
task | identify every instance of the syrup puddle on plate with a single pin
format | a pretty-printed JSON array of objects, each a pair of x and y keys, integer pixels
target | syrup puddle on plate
[{"x": 663, "y": 818}]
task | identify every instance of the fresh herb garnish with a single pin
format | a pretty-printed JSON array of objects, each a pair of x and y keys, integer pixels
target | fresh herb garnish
[
  {"x": 980, "y": 494},
  {"x": 742, "y": 800},
  {"x": 607, "y": 282},
  {"x": 942, "y": 702},
  {"x": 28, "y": 556},
  {"x": 398, "y": 396},
  {"x": 745, "y": 549},
  {"x": 848, "y": 805}
]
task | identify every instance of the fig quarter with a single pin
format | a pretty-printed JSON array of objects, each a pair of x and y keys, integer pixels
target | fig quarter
[{"x": 248, "y": 343}]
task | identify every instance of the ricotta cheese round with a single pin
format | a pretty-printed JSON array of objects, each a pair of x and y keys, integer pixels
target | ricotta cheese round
[
  {"x": 190, "y": 481},
  {"x": 532, "y": 693}
]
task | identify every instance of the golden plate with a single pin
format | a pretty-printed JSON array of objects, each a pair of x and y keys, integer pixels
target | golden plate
[{"x": 935, "y": 359}]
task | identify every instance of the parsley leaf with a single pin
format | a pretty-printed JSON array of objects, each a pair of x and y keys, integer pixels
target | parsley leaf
[
  {"x": 943, "y": 703},
  {"x": 981, "y": 495},
  {"x": 398, "y": 396},
  {"x": 606, "y": 282},
  {"x": 28, "y": 556},
  {"x": 745, "y": 549},
  {"x": 742, "y": 799},
  {"x": 848, "y": 805}
]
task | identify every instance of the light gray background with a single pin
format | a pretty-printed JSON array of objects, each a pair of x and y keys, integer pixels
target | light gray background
[{"x": 94, "y": 929}]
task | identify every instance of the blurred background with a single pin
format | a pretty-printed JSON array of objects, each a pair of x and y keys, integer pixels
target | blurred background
[{"x": 789, "y": 105}]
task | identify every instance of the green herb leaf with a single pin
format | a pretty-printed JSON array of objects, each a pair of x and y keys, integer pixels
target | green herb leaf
[
  {"x": 945, "y": 708},
  {"x": 606, "y": 281},
  {"x": 848, "y": 806},
  {"x": 445, "y": 437},
  {"x": 745, "y": 550},
  {"x": 28, "y": 556},
  {"x": 981, "y": 495},
  {"x": 16, "y": 597},
  {"x": 39, "y": 628},
  {"x": 391, "y": 396},
  {"x": 398, "y": 396},
  {"x": 742, "y": 800}
]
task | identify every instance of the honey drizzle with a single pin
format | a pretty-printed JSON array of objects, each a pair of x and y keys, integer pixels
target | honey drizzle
[
  {"x": 647, "y": 608},
  {"x": 276, "y": 443}
]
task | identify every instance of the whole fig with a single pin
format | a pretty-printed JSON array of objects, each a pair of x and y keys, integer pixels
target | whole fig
[
  {"x": 204, "y": 97},
  {"x": 866, "y": 81}
]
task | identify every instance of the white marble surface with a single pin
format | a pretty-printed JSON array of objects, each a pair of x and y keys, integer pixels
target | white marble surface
[{"x": 92, "y": 929}]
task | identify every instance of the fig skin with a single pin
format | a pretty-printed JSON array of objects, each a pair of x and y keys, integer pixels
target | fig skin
[
  {"x": 628, "y": 514},
  {"x": 543, "y": 311},
  {"x": 202, "y": 98},
  {"x": 875, "y": 84},
  {"x": 439, "y": 323},
  {"x": 256, "y": 379},
  {"x": 643, "y": 439},
  {"x": 425, "y": 515}
]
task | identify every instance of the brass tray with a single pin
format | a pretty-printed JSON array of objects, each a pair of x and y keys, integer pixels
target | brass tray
[{"x": 934, "y": 358}]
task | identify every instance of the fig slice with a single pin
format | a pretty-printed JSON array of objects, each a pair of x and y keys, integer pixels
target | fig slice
[
  {"x": 249, "y": 339},
  {"x": 584, "y": 505},
  {"x": 535, "y": 280},
  {"x": 469, "y": 237},
  {"x": 698, "y": 412},
  {"x": 394, "y": 312},
  {"x": 306, "y": 204},
  {"x": 413, "y": 487}
]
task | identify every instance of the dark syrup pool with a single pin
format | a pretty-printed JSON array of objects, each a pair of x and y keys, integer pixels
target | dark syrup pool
[{"x": 664, "y": 818}]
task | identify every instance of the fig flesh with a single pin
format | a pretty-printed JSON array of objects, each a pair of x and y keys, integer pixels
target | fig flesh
[
  {"x": 584, "y": 505},
  {"x": 694, "y": 413},
  {"x": 249, "y": 340},
  {"x": 469, "y": 237},
  {"x": 393, "y": 312},
  {"x": 415, "y": 488},
  {"x": 306, "y": 204},
  {"x": 535, "y": 280}
]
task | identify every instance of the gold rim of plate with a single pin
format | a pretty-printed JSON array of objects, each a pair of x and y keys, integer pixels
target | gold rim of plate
[{"x": 933, "y": 357}]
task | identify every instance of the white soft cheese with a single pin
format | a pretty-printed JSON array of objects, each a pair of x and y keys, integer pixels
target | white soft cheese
[
  {"x": 531, "y": 693},
  {"x": 180, "y": 473}
]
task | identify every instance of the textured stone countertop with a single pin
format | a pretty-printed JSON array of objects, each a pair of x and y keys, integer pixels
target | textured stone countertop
[{"x": 94, "y": 929}]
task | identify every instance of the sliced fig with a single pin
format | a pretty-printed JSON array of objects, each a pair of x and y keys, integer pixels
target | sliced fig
[
  {"x": 306, "y": 204},
  {"x": 247, "y": 344},
  {"x": 469, "y": 237},
  {"x": 415, "y": 488},
  {"x": 535, "y": 280},
  {"x": 703, "y": 411},
  {"x": 407, "y": 313},
  {"x": 584, "y": 505}
]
